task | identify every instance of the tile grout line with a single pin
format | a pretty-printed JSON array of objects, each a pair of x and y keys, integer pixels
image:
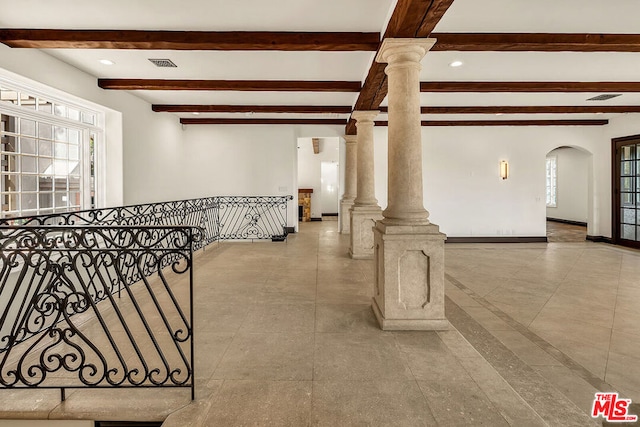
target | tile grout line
[
  {"x": 606, "y": 365},
  {"x": 557, "y": 354},
  {"x": 531, "y": 379},
  {"x": 527, "y": 383},
  {"x": 556, "y": 290},
  {"x": 315, "y": 324}
]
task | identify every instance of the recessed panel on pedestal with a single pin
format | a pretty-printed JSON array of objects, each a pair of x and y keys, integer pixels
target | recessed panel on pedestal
[{"x": 414, "y": 274}]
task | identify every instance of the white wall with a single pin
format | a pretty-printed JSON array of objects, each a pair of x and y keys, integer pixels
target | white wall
[
  {"x": 572, "y": 188},
  {"x": 463, "y": 190},
  {"x": 236, "y": 160},
  {"x": 309, "y": 167}
]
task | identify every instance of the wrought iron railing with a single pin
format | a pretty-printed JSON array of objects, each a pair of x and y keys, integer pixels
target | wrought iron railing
[
  {"x": 103, "y": 297},
  {"x": 218, "y": 218},
  {"x": 62, "y": 324}
]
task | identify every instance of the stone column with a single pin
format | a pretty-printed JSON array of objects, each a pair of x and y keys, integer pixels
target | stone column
[
  {"x": 349, "y": 196},
  {"x": 365, "y": 211},
  {"x": 409, "y": 250}
]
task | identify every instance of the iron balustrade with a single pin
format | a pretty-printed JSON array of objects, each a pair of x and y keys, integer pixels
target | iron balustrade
[
  {"x": 104, "y": 297},
  {"x": 218, "y": 218},
  {"x": 62, "y": 324}
]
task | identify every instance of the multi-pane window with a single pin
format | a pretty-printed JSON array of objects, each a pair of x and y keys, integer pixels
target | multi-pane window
[
  {"x": 552, "y": 182},
  {"x": 630, "y": 192},
  {"x": 45, "y": 155}
]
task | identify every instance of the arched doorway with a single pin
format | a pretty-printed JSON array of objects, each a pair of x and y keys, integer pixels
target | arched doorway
[{"x": 569, "y": 194}]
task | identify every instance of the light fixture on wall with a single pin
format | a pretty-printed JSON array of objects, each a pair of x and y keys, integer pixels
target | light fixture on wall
[{"x": 504, "y": 169}]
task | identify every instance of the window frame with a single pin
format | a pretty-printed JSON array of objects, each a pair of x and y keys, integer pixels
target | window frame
[
  {"x": 551, "y": 181},
  {"x": 88, "y": 187}
]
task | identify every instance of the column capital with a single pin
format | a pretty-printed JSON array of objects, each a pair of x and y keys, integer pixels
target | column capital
[
  {"x": 361, "y": 116},
  {"x": 350, "y": 139},
  {"x": 393, "y": 50}
]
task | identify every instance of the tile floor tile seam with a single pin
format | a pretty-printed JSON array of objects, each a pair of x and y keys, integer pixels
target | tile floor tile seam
[
  {"x": 235, "y": 334},
  {"x": 523, "y": 382},
  {"x": 315, "y": 326},
  {"x": 424, "y": 396},
  {"x": 544, "y": 345},
  {"x": 485, "y": 396},
  {"x": 209, "y": 405},
  {"x": 562, "y": 279},
  {"x": 606, "y": 365},
  {"x": 510, "y": 387},
  {"x": 557, "y": 287}
]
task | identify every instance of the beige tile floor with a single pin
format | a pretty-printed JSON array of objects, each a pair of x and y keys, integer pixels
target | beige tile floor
[{"x": 285, "y": 336}]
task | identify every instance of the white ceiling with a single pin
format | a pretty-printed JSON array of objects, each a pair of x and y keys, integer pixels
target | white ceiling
[
  {"x": 231, "y": 65},
  {"x": 542, "y": 16},
  {"x": 580, "y": 16},
  {"x": 247, "y": 98},
  {"x": 197, "y": 15},
  {"x": 522, "y": 99}
]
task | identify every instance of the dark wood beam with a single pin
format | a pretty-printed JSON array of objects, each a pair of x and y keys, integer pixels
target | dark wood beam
[
  {"x": 232, "y": 85},
  {"x": 551, "y": 109},
  {"x": 305, "y": 109},
  {"x": 205, "y": 121},
  {"x": 410, "y": 18},
  {"x": 541, "y": 42},
  {"x": 507, "y": 123},
  {"x": 473, "y": 86},
  {"x": 189, "y": 40}
]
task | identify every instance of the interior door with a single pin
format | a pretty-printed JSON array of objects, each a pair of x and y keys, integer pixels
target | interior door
[{"x": 626, "y": 191}]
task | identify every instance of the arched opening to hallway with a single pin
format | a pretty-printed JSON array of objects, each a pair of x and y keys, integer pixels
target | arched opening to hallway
[{"x": 569, "y": 194}]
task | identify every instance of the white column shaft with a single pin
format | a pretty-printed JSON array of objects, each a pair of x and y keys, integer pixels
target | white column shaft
[
  {"x": 405, "y": 194},
  {"x": 365, "y": 179},
  {"x": 351, "y": 167}
]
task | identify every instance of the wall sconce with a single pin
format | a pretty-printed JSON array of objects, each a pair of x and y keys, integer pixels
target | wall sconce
[{"x": 504, "y": 169}]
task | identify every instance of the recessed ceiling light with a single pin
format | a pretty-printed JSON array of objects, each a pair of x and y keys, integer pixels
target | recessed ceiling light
[
  {"x": 195, "y": 113},
  {"x": 456, "y": 64},
  {"x": 499, "y": 114},
  {"x": 106, "y": 62}
]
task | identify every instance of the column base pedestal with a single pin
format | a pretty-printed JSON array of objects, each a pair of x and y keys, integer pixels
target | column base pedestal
[
  {"x": 409, "y": 277},
  {"x": 408, "y": 324},
  {"x": 363, "y": 219},
  {"x": 345, "y": 215}
]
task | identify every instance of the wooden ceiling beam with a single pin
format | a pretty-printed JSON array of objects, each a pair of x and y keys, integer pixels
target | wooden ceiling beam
[
  {"x": 207, "y": 121},
  {"x": 507, "y": 123},
  {"x": 189, "y": 40},
  {"x": 475, "y": 86},
  {"x": 536, "y": 42},
  {"x": 410, "y": 18},
  {"x": 303, "y": 109},
  {"x": 230, "y": 85},
  {"x": 551, "y": 109}
]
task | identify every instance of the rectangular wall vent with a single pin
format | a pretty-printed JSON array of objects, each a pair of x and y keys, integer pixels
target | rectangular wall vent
[
  {"x": 604, "y": 97},
  {"x": 164, "y": 63}
]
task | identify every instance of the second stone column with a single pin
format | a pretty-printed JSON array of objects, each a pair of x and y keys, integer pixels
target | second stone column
[
  {"x": 350, "y": 180},
  {"x": 365, "y": 211}
]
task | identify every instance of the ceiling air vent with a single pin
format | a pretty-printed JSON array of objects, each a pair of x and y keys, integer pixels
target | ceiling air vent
[
  {"x": 164, "y": 63},
  {"x": 604, "y": 97}
]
